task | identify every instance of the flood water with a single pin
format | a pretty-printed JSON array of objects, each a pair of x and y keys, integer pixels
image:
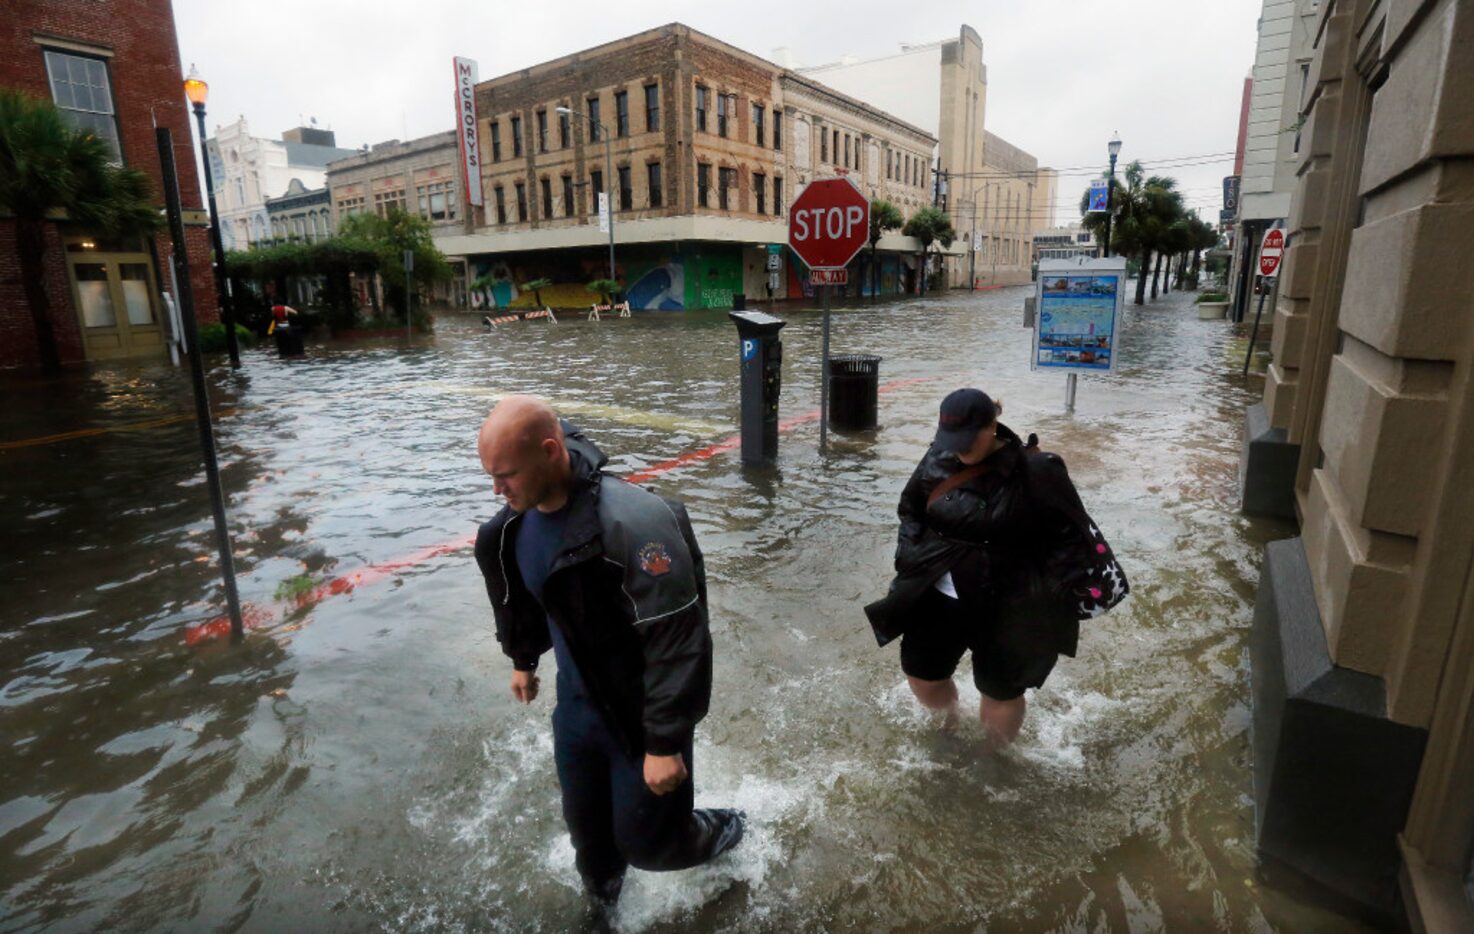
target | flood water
[{"x": 358, "y": 762}]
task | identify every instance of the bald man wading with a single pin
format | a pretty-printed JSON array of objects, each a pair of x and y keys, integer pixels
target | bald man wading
[{"x": 609, "y": 576}]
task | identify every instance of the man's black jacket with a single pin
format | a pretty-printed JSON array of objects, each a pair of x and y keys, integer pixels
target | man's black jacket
[{"x": 628, "y": 592}]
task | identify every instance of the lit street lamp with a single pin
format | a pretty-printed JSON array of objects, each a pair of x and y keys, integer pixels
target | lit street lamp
[
  {"x": 197, "y": 91},
  {"x": 1114, "y": 148},
  {"x": 608, "y": 179}
]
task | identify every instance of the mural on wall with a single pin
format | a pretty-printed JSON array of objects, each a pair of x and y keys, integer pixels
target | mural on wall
[
  {"x": 707, "y": 278},
  {"x": 713, "y": 277},
  {"x": 659, "y": 286}
]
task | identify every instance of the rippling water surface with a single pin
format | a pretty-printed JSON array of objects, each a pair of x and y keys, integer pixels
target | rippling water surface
[{"x": 358, "y": 762}]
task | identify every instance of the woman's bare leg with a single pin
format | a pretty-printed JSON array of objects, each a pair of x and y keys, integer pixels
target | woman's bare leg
[
  {"x": 1001, "y": 719},
  {"x": 940, "y": 696}
]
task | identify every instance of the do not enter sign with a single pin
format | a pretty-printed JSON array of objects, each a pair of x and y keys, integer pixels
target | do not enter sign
[
  {"x": 1271, "y": 251},
  {"x": 828, "y": 223}
]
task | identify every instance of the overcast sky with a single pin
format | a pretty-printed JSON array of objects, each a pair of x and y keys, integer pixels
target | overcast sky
[{"x": 1062, "y": 74}]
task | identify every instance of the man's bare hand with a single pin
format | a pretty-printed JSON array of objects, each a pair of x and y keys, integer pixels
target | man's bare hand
[
  {"x": 524, "y": 686},
  {"x": 665, "y": 774}
]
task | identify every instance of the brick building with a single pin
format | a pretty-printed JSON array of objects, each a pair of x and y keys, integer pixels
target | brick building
[
  {"x": 114, "y": 68},
  {"x": 710, "y": 144}
]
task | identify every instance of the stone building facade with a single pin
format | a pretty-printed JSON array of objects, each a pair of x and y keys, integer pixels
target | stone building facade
[
  {"x": 249, "y": 170},
  {"x": 300, "y": 213},
  {"x": 113, "y": 68},
  {"x": 995, "y": 193},
  {"x": 421, "y": 176},
  {"x": 1363, "y": 642},
  {"x": 707, "y": 146}
]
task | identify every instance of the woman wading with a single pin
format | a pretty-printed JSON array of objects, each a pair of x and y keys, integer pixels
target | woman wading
[{"x": 997, "y": 556}]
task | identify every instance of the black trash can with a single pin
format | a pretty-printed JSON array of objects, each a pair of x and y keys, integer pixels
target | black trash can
[
  {"x": 739, "y": 301},
  {"x": 854, "y": 391}
]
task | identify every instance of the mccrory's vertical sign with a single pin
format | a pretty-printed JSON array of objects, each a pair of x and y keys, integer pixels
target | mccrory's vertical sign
[{"x": 465, "y": 69}]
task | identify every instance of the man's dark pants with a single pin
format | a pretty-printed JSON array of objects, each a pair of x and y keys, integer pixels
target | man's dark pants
[{"x": 614, "y": 818}]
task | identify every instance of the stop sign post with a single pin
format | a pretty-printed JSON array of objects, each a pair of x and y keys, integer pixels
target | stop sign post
[
  {"x": 828, "y": 223},
  {"x": 1271, "y": 253}
]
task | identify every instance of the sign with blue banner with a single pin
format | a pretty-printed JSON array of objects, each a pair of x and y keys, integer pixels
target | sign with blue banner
[
  {"x": 1098, "y": 195},
  {"x": 1079, "y": 312}
]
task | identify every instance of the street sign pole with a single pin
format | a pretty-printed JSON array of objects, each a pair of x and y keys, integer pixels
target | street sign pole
[
  {"x": 175, "y": 215},
  {"x": 824, "y": 376},
  {"x": 1271, "y": 252},
  {"x": 409, "y": 301}
]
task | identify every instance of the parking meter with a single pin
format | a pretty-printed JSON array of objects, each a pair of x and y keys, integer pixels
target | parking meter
[{"x": 762, "y": 378}]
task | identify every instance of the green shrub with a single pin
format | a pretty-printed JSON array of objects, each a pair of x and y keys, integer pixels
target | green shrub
[{"x": 212, "y": 338}]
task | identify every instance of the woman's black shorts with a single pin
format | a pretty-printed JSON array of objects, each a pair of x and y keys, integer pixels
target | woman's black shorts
[{"x": 1010, "y": 650}]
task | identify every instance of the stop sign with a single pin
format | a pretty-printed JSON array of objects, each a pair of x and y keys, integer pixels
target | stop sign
[
  {"x": 828, "y": 223},
  {"x": 1271, "y": 251}
]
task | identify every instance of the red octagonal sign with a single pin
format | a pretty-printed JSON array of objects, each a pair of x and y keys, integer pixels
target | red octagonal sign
[
  {"x": 1271, "y": 251},
  {"x": 828, "y": 223}
]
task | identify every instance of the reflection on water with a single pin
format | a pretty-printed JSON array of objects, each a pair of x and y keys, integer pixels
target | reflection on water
[{"x": 358, "y": 763}]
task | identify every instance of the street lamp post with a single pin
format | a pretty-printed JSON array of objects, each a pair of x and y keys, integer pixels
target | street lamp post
[
  {"x": 1114, "y": 148},
  {"x": 197, "y": 91},
  {"x": 608, "y": 180}
]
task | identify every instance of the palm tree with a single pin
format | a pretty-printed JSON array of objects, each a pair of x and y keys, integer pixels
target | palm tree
[
  {"x": 1164, "y": 208},
  {"x": 883, "y": 216},
  {"x": 48, "y": 166},
  {"x": 1202, "y": 236},
  {"x": 929, "y": 225}
]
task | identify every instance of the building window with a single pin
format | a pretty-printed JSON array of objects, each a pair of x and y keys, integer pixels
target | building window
[
  {"x": 496, "y": 141},
  {"x": 847, "y": 150},
  {"x": 596, "y": 183},
  {"x": 593, "y": 112},
  {"x": 568, "y": 196},
  {"x": 622, "y": 113},
  {"x": 84, "y": 95},
  {"x": 758, "y": 113},
  {"x": 703, "y": 184},
  {"x": 760, "y": 190},
  {"x": 521, "y": 201},
  {"x": 887, "y": 164},
  {"x": 777, "y": 129},
  {"x": 823, "y": 146},
  {"x": 436, "y": 201},
  {"x": 386, "y": 201},
  {"x": 1300, "y": 121},
  {"x": 563, "y": 131},
  {"x": 725, "y": 106},
  {"x": 626, "y": 189},
  {"x": 542, "y": 131},
  {"x": 777, "y": 197},
  {"x": 516, "y": 137},
  {"x": 547, "y": 198},
  {"x": 350, "y": 206},
  {"x": 501, "y": 205},
  {"x": 652, "y": 107},
  {"x": 834, "y": 146},
  {"x": 701, "y": 93},
  {"x": 726, "y": 181},
  {"x": 652, "y": 181}
]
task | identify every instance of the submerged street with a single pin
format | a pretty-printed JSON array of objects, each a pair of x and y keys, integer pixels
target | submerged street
[{"x": 358, "y": 762}]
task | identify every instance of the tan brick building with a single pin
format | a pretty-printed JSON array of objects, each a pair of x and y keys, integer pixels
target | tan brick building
[
  {"x": 707, "y": 146},
  {"x": 1363, "y": 644}
]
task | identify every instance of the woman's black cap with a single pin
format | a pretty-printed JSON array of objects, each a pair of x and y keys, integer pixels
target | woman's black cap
[{"x": 964, "y": 413}]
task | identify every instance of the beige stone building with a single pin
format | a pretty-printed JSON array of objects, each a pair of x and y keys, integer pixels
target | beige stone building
[
  {"x": 1363, "y": 644},
  {"x": 421, "y": 176},
  {"x": 996, "y": 194},
  {"x": 701, "y": 146}
]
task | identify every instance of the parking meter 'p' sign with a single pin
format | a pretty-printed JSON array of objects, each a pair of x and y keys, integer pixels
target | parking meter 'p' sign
[{"x": 749, "y": 349}]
